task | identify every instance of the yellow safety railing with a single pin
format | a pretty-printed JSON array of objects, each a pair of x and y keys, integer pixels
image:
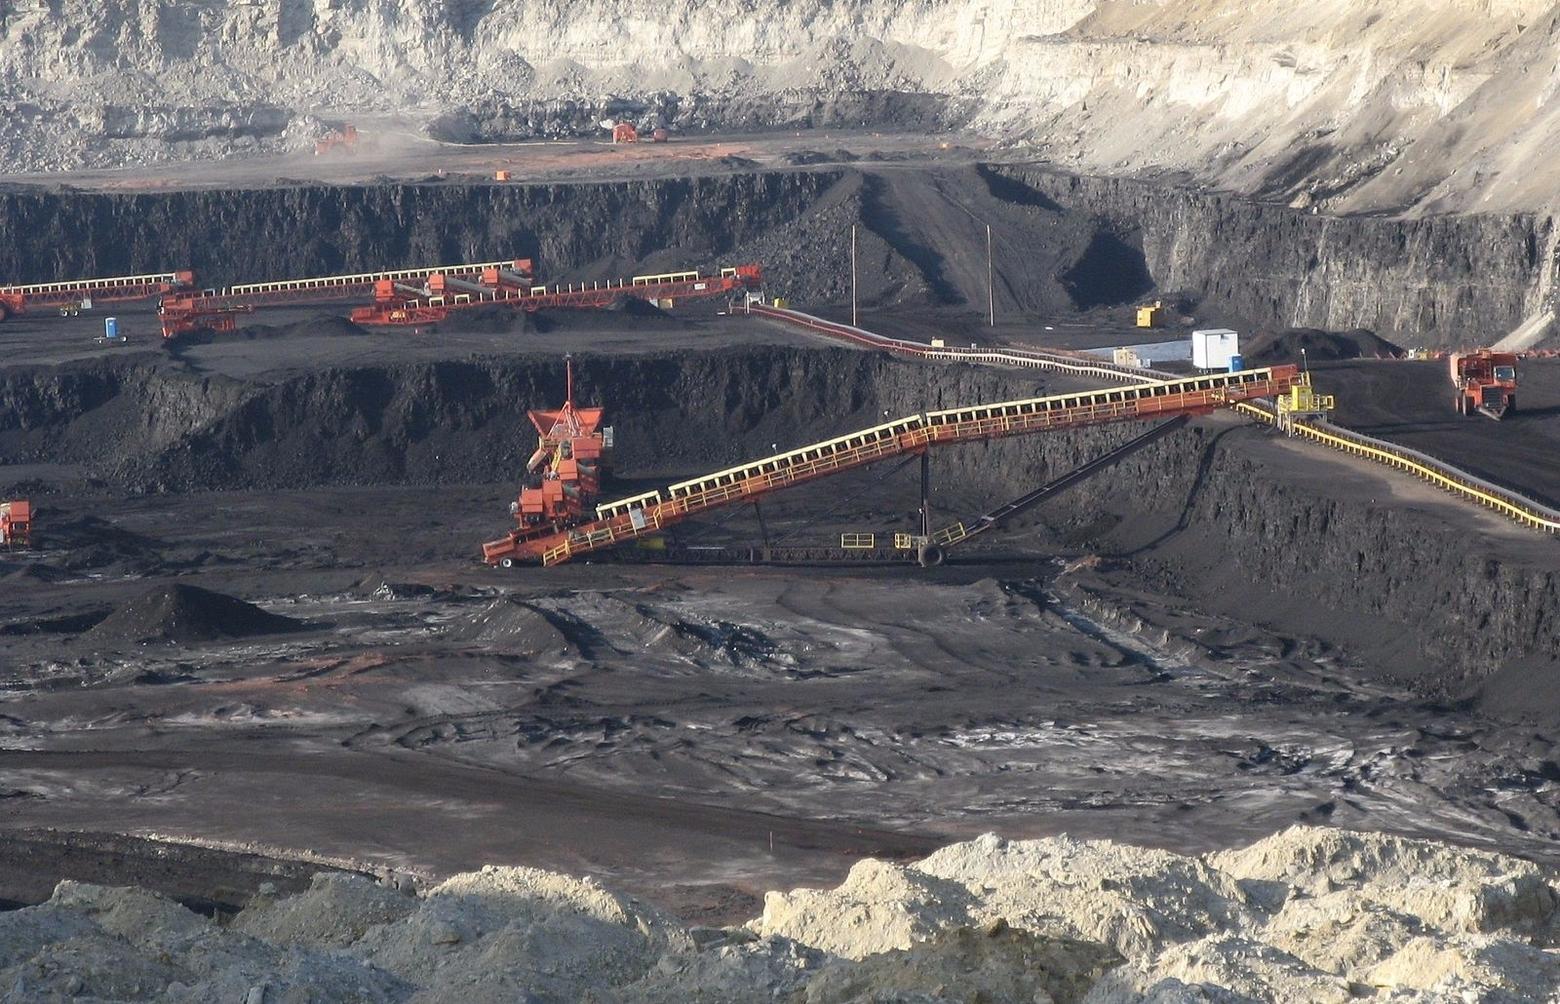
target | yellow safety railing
[
  {"x": 1444, "y": 476},
  {"x": 950, "y": 535},
  {"x": 1518, "y": 508},
  {"x": 110, "y": 283},
  {"x": 364, "y": 278}
]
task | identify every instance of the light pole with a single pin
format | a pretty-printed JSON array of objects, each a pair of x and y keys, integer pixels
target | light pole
[
  {"x": 853, "y": 319},
  {"x": 991, "y": 289}
]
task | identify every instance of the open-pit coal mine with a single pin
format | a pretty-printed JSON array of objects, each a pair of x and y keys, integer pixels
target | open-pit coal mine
[{"x": 779, "y": 533}]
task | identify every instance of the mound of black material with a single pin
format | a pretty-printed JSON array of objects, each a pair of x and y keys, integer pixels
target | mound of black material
[
  {"x": 1286, "y": 346},
  {"x": 19, "y": 572},
  {"x": 490, "y": 321},
  {"x": 802, "y": 158},
  {"x": 633, "y": 306},
  {"x": 327, "y": 325},
  {"x": 183, "y": 613},
  {"x": 323, "y": 324},
  {"x": 628, "y": 313}
]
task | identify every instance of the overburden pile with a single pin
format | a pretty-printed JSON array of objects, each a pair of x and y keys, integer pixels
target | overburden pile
[
  {"x": 1295, "y": 344},
  {"x": 1305, "y": 916},
  {"x": 184, "y": 613}
]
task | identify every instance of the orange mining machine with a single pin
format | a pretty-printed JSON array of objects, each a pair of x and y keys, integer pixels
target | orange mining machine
[
  {"x": 396, "y": 304},
  {"x": 556, "y": 525},
  {"x": 345, "y": 139},
  {"x": 563, "y": 477},
  {"x": 16, "y": 524},
  {"x": 627, "y": 132},
  {"x": 1486, "y": 382},
  {"x": 220, "y": 309}
]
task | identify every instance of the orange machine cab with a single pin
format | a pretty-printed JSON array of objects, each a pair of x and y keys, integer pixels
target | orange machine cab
[
  {"x": 563, "y": 476},
  {"x": 15, "y": 524},
  {"x": 1486, "y": 382}
]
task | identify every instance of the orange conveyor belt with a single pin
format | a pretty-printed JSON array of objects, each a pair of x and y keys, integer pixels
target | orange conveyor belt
[{"x": 649, "y": 513}]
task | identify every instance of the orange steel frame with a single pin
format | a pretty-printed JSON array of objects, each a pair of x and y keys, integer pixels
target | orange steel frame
[
  {"x": 427, "y": 310},
  {"x": 1195, "y": 395}
]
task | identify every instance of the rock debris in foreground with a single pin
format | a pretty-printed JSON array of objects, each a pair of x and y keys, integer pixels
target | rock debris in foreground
[{"x": 1307, "y": 915}]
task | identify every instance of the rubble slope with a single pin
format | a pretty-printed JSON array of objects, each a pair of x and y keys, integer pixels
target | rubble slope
[
  {"x": 1440, "y": 104},
  {"x": 1305, "y": 915}
]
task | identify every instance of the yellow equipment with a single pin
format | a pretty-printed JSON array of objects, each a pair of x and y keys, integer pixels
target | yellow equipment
[
  {"x": 1151, "y": 317},
  {"x": 1302, "y": 403}
]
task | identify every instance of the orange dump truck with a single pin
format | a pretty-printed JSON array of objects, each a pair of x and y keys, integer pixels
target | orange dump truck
[
  {"x": 15, "y": 524},
  {"x": 1486, "y": 382}
]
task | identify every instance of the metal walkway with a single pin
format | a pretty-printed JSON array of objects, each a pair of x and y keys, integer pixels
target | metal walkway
[
  {"x": 645, "y": 514},
  {"x": 1453, "y": 480},
  {"x": 217, "y": 308},
  {"x": 670, "y": 286},
  {"x": 74, "y": 292},
  {"x": 1075, "y": 363}
]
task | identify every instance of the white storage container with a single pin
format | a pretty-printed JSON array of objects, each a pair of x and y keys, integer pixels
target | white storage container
[{"x": 1213, "y": 347}]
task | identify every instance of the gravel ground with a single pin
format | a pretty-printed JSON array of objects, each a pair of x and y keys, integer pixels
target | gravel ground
[{"x": 606, "y": 719}]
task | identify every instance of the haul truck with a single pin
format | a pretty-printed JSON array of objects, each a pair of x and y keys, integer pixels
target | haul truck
[{"x": 1486, "y": 382}]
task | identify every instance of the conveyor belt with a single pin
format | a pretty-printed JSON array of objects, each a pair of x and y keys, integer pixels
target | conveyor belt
[
  {"x": 672, "y": 286},
  {"x": 1453, "y": 480},
  {"x": 315, "y": 289},
  {"x": 188, "y": 311},
  {"x": 1508, "y": 503},
  {"x": 959, "y": 532},
  {"x": 111, "y": 289},
  {"x": 649, "y": 513},
  {"x": 1076, "y": 363},
  {"x": 349, "y": 285}
]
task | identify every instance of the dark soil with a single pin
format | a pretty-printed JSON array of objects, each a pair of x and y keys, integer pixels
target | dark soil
[
  {"x": 719, "y": 731},
  {"x": 1059, "y": 243},
  {"x": 204, "y": 879},
  {"x": 183, "y": 613},
  {"x": 1295, "y": 344}
]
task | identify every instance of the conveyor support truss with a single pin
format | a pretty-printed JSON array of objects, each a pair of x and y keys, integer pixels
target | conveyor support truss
[{"x": 647, "y": 514}]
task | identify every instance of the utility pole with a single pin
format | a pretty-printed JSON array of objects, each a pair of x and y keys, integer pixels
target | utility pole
[
  {"x": 853, "y": 322},
  {"x": 991, "y": 289}
]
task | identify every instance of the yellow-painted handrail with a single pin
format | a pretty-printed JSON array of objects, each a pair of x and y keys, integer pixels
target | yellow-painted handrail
[
  {"x": 1444, "y": 476},
  {"x": 1516, "y": 507}
]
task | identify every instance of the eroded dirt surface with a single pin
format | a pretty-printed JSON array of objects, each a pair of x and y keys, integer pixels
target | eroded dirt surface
[
  {"x": 697, "y": 734},
  {"x": 1126, "y": 663}
]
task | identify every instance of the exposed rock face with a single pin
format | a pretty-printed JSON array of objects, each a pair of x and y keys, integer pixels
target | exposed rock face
[
  {"x": 453, "y": 421},
  {"x": 1461, "y": 279},
  {"x": 1352, "y": 105},
  {"x": 1064, "y": 242},
  {"x": 1304, "y": 916}
]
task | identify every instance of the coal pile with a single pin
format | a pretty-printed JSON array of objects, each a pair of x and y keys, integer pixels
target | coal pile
[
  {"x": 1318, "y": 345},
  {"x": 514, "y": 626},
  {"x": 805, "y": 158},
  {"x": 322, "y": 324},
  {"x": 635, "y": 306},
  {"x": 22, "y": 573},
  {"x": 181, "y": 613},
  {"x": 490, "y": 321}
]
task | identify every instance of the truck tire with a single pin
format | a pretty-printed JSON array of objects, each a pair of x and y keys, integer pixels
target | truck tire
[
  {"x": 930, "y": 556},
  {"x": 1511, "y": 405},
  {"x": 4, "y": 313},
  {"x": 506, "y": 562}
]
